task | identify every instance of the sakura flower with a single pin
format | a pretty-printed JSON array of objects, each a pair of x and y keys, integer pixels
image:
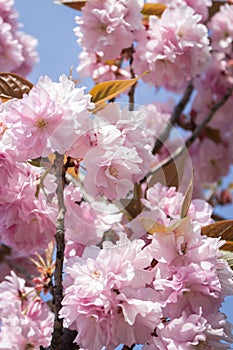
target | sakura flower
[
  {"x": 108, "y": 26},
  {"x": 29, "y": 53},
  {"x": 222, "y": 29},
  {"x": 199, "y": 6},
  {"x": 111, "y": 172},
  {"x": 177, "y": 48},
  {"x": 181, "y": 334},
  {"x": 94, "y": 65},
  {"x": 17, "y": 49},
  {"x": 85, "y": 222},
  {"x": 38, "y": 122},
  {"x": 26, "y": 328},
  {"x": 103, "y": 291},
  {"x": 22, "y": 212},
  {"x": 10, "y": 48},
  {"x": 216, "y": 165}
]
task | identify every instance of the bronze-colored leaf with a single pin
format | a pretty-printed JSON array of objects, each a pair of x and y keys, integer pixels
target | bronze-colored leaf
[
  {"x": 134, "y": 207},
  {"x": 187, "y": 199},
  {"x": 13, "y": 86},
  {"x": 74, "y": 4},
  {"x": 215, "y": 7},
  {"x": 171, "y": 171},
  {"x": 213, "y": 134},
  {"x": 228, "y": 246},
  {"x": 153, "y": 9},
  {"x": 223, "y": 229},
  {"x": 151, "y": 226},
  {"x": 109, "y": 89}
]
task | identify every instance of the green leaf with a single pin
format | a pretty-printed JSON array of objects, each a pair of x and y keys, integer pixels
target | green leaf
[
  {"x": 13, "y": 86},
  {"x": 74, "y": 4},
  {"x": 223, "y": 229},
  {"x": 109, "y": 89},
  {"x": 153, "y": 9},
  {"x": 187, "y": 199}
]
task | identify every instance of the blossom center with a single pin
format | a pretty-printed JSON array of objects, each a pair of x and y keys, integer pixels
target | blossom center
[
  {"x": 41, "y": 123},
  {"x": 113, "y": 171},
  {"x": 96, "y": 275}
]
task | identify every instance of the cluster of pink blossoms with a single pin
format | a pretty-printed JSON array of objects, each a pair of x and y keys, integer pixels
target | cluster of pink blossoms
[
  {"x": 122, "y": 285},
  {"x": 18, "y": 50},
  {"x": 30, "y": 323},
  {"x": 175, "y": 48},
  {"x": 150, "y": 290}
]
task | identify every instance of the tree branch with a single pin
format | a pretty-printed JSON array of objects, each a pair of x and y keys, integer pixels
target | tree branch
[
  {"x": 193, "y": 137},
  {"x": 133, "y": 87},
  {"x": 174, "y": 117},
  {"x": 56, "y": 342},
  {"x": 208, "y": 118}
]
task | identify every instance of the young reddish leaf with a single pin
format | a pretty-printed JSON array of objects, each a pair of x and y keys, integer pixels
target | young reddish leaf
[
  {"x": 109, "y": 89},
  {"x": 153, "y": 9},
  {"x": 187, "y": 199},
  {"x": 13, "y": 86},
  {"x": 74, "y": 4},
  {"x": 223, "y": 229}
]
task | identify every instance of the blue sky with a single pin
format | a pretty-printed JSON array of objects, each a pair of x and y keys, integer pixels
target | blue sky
[{"x": 53, "y": 26}]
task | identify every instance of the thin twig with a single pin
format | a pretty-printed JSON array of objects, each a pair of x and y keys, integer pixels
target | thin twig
[
  {"x": 208, "y": 118},
  {"x": 174, "y": 117},
  {"x": 133, "y": 87},
  {"x": 193, "y": 137},
  {"x": 56, "y": 343}
]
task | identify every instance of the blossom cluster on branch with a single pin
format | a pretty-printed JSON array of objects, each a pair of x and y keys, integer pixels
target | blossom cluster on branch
[{"x": 112, "y": 183}]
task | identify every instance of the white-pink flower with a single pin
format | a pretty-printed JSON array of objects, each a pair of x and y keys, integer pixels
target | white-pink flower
[
  {"x": 111, "y": 171},
  {"x": 108, "y": 26},
  {"x": 47, "y": 119},
  {"x": 221, "y": 27},
  {"x": 26, "y": 321},
  {"x": 176, "y": 48},
  {"x": 106, "y": 297}
]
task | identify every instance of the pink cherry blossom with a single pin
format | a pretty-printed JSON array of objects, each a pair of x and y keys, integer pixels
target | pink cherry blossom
[
  {"x": 199, "y": 6},
  {"x": 13, "y": 53},
  {"x": 112, "y": 301},
  {"x": 108, "y": 26},
  {"x": 26, "y": 321},
  {"x": 94, "y": 65},
  {"x": 22, "y": 212},
  {"x": 222, "y": 29},
  {"x": 29, "y": 53},
  {"x": 86, "y": 223},
  {"x": 173, "y": 42},
  {"x": 39, "y": 121},
  {"x": 111, "y": 172}
]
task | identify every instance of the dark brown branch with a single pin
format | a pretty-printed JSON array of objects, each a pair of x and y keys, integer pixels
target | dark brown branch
[
  {"x": 174, "y": 118},
  {"x": 125, "y": 347},
  {"x": 208, "y": 118},
  {"x": 194, "y": 136},
  {"x": 133, "y": 87},
  {"x": 56, "y": 343}
]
